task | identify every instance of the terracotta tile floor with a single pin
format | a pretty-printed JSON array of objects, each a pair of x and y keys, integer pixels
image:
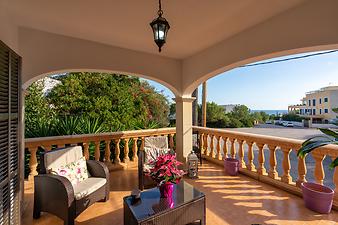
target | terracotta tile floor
[{"x": 230, "y": 200}]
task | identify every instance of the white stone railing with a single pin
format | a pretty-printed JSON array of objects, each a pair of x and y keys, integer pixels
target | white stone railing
[
  {"x": 244, "y": 147},
  {"x": 121, "y": 140}
]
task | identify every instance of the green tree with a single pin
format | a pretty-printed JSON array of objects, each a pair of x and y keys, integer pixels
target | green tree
[
  {"x": 242, "y": 114},
  {"x": 214, "y": 112},
  {"x": 292, "y": 117},
  {"x": 39, "y": 116},
  {"x": 119, "y": 101}
]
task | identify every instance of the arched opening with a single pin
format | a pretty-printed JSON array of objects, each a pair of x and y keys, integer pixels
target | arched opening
[
  {"x": 228, "y": 66},
  {"x": 109, "y": 111},
  {"x": 302, "y": 86}
]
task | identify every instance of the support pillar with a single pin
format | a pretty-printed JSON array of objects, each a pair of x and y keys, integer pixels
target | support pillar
[
  {"x": 204, "y": 104},
  {"x": 183, "y": 127}
]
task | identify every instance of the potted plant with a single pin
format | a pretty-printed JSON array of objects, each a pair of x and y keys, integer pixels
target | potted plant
[
  {"x": 318, "y": 197},
  {"x": 164, "y": 171},
  {"x": 231, "y": 166}
]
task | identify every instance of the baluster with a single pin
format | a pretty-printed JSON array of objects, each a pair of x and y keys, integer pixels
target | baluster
[
  {"x": 261, "y": 159},
  {"x": 233, "y": 148},
  {"x": 218, "y": 148},
  {"x": 97, "y": 151},
  {"x": 273, "y": 162},
  {"x": 126, "y": 150},
  {"x": 301, "y": 171},
  {"x": 86, "y": 150},
  {"x": 117, "y": 151},
  {"x": 211, "y": 154},
  {"x": 241, "y": 154},
  {"x": 47, "y": 148},
  {"x": 171, "y": 142},
  {"x": 201, "y": 143},
  {"x": 135, "y": 157},
  {"x": 142, "y": 144},
  {"x": 225, "y": 147},
  {"x": 206, "y": 143},
  {"x": 319, "y": 170},
  {"x": 250, "y": 165},
  {"x": 107, "y": 151},
  {"x": 33, "y": 163},
  {"x": 335, "y": 181},
  {"x": 286, "y": 178}
]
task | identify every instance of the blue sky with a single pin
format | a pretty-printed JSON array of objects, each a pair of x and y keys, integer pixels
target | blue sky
[{"x": 273, "y": 86}]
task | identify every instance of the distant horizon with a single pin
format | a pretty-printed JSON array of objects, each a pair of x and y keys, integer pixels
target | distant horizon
[{"x": 272, "y": 86}]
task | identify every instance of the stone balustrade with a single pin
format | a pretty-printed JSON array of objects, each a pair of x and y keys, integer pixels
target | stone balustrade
[
  {"x": 259, "y": 158},
  {"x": 115, "y": 145}
]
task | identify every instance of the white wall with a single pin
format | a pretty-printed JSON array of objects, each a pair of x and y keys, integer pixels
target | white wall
[
  {"x": 44, "y": 53},
  {"x": 8, "y": 31}
]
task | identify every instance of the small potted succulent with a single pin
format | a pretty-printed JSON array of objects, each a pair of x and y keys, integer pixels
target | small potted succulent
[
  {"x": 164, "y": 171},
  {"x": 318, "y": 197}
]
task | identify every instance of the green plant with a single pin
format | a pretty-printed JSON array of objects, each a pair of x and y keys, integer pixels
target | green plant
[
  {"x": 68, "y": 125},
  {"x": 91, "y": 125},
  {"x": 319, "y": 141},
  {"x": 40, "y": 128}
]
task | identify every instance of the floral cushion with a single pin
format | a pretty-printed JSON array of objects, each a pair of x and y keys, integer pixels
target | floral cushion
[
  {"x": 75, "y": 172},
  {"x": 151, "y": 154}
]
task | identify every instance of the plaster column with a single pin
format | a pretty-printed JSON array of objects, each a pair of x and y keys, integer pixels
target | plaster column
[{"x": 183, "y": 127}]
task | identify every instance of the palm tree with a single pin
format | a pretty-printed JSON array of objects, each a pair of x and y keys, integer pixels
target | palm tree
[{"x": 313, "y": 143}]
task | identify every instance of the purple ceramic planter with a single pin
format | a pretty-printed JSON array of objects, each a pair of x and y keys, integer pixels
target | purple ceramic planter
[
  {"x": 317, "y": 197},
  {"x": 231, "y": 166}
]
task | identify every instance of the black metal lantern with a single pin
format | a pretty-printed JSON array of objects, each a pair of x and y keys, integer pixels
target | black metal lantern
[{"x": 160, "y": 28}]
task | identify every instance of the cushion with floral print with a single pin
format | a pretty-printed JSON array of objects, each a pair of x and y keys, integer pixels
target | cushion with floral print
[
  {"x": 75, "y": 172},
  {"x": 81, "y": 169},
  {"x": 151, "y": 154}
]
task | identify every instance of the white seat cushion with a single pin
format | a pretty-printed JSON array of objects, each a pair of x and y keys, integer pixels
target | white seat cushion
[{"x": 88, "y": 186}]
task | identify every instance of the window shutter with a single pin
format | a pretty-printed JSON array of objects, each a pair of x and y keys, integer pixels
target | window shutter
[{"x": 10, "y": 64}]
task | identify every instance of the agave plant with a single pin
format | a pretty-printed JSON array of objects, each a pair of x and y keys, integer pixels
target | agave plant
[
  {"x": 141, "y": 125},
  {"x": 68, "y": 125},
  {"x": 313, "y": 143},
  {"x": 41, "y": 128},
  {"x": 91, "y": 125}
]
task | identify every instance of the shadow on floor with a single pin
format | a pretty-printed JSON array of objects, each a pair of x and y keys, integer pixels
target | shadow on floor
[{"x": 230, "y": 200}]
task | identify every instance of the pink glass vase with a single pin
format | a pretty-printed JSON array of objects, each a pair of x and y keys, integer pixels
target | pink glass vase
[{"x": 166, "y": 190}]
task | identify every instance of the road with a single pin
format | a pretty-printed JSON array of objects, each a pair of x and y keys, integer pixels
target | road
[{"x": 280, "y": 131}]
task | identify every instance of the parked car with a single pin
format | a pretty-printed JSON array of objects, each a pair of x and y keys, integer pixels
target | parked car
[
  {"x": 278, "y": 122},
  {"x": 268, "y": 122},
  {"x": 288, "y": 124}
]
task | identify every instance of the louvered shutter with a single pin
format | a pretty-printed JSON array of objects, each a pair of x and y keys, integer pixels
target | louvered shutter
[{"x": 9, "y": 128}]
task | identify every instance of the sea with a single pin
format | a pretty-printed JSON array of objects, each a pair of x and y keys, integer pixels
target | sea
[{"x": 271, "y": 111}]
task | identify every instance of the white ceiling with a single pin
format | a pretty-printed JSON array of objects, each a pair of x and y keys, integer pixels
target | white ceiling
[{"x": 195, "y": 24}]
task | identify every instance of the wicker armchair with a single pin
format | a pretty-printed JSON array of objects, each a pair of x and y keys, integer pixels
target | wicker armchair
[
  {"x": 57, "y": 195},
  {"x": 153, "y": 146}
]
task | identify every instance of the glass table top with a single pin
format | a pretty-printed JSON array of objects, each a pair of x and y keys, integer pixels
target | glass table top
[{"x": 150, "y": 202}]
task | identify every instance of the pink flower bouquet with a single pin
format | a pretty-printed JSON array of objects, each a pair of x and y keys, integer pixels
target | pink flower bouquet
[{"x": 165, "y": 169}]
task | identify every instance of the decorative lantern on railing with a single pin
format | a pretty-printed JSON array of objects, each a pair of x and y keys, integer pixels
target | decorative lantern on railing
[{"x": 192, "y": 165}]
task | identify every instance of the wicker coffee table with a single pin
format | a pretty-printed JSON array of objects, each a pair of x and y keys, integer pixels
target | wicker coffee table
[{"x": 187, "y": 206}]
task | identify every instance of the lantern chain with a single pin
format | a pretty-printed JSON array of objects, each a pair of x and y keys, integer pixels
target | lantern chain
[{"x": 160, "y": 12}]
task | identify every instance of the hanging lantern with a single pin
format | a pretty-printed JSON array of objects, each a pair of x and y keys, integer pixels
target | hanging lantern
[
  {"x": 160, "y": 28},
  {"x": 192, "y": 165}
]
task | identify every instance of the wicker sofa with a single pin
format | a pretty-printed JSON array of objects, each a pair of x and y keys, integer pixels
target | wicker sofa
[{"x": 57, "y": 195}]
